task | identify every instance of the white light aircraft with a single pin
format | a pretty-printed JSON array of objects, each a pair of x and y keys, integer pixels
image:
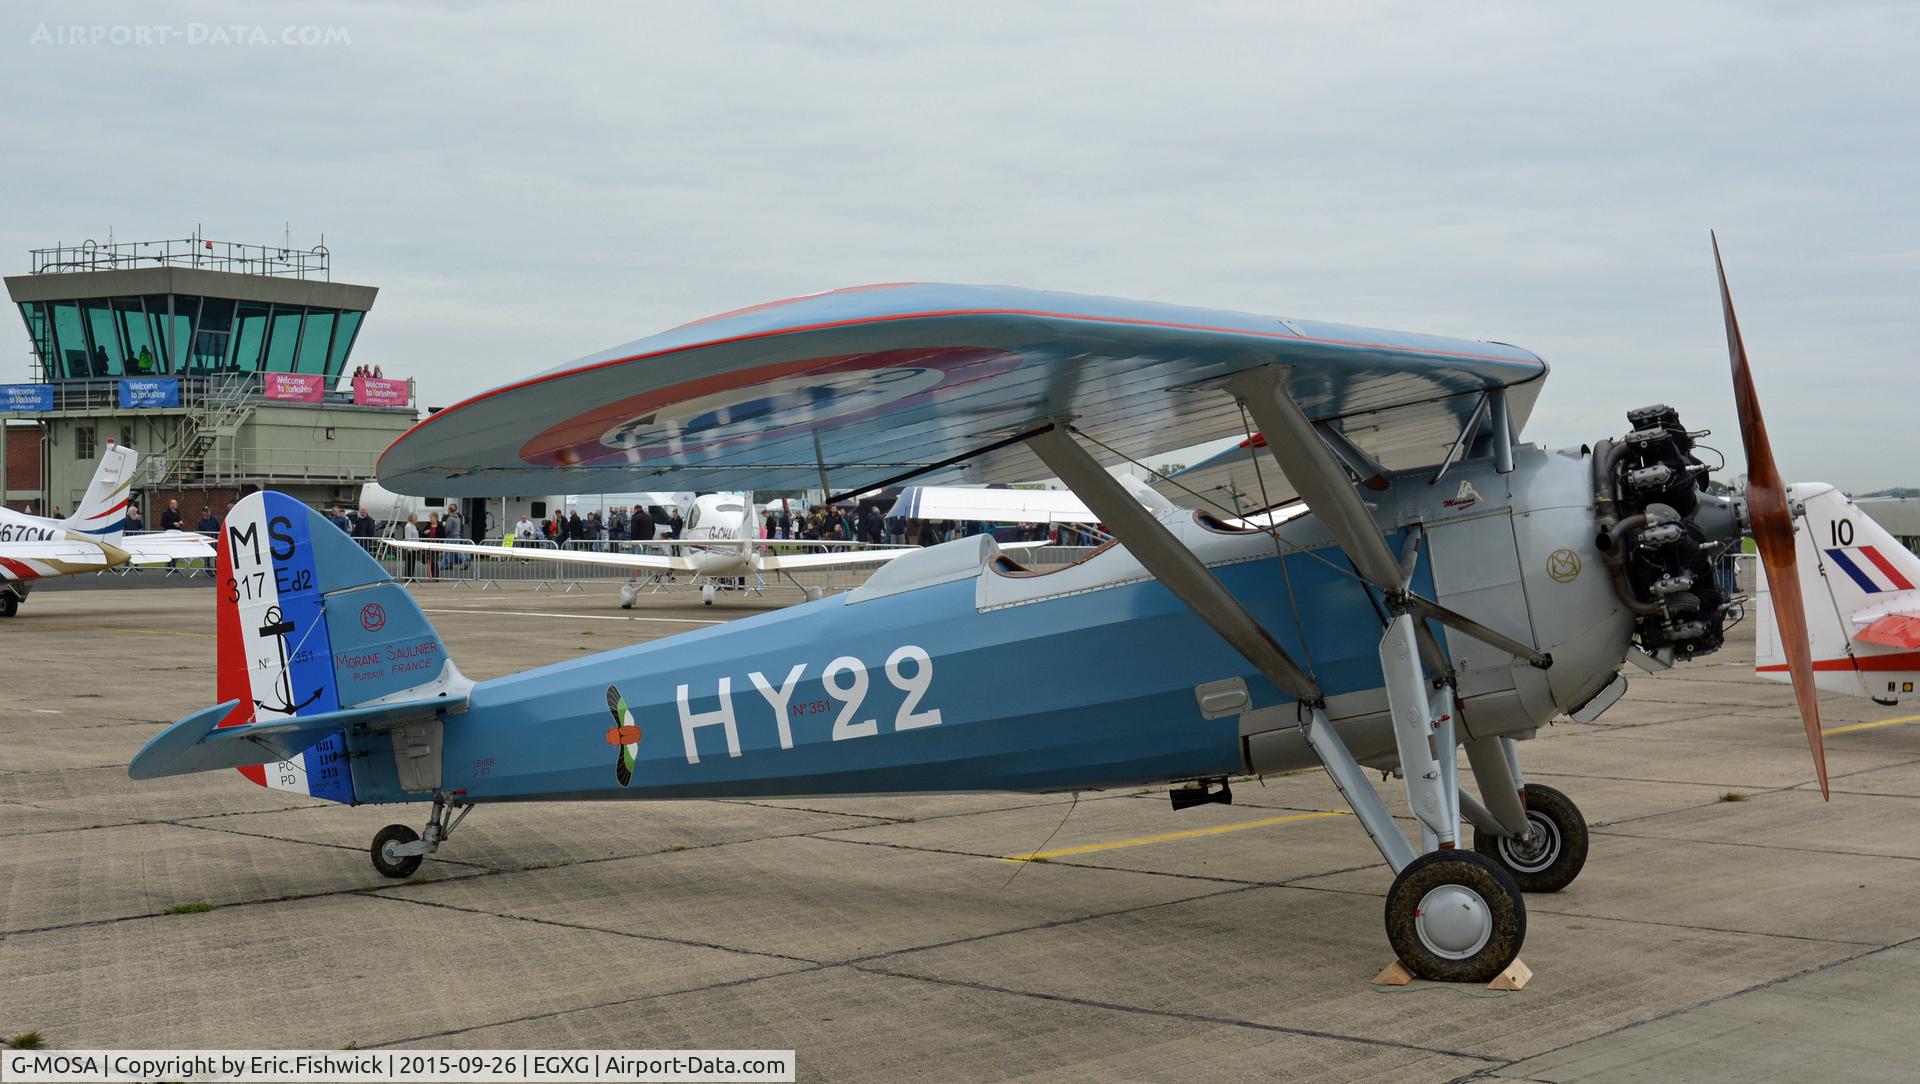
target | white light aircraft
[
  {"x": 717, "y": 548},
  {"x": 1866, "y": 638},
  {"x": 93, "y": 539}
]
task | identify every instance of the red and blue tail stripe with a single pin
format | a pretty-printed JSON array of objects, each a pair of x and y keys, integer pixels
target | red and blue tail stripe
[
  {"x": 119, "y": 511},
  {"x": 1875, "y": 574}
]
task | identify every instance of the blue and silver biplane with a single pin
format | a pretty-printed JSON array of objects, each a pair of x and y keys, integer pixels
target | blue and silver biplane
[{"x": 1450, "y": 586}]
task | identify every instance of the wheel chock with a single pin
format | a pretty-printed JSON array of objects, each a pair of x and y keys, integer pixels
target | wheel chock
[
  {"x": 1396, "y": 974},
  {"x": 1513, "y": 978}
]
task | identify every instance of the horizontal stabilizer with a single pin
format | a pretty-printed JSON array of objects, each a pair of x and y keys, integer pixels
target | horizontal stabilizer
[
  {"x": 1892, "y": 630},
  {"x": 198, "y": 743}
]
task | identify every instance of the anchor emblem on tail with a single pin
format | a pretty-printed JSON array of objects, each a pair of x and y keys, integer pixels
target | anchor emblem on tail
[{"x": 277, "y": 626}]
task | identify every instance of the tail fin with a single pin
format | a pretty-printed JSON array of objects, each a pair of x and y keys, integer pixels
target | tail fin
[
  {"x": 102, "y": 514},
  {"x": 1862, "y": 591},
  {"x": 308, "y": 624}
]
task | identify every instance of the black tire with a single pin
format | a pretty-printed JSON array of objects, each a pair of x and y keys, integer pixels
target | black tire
[
  {"x": 395, "y": 867},
  {"x": 1461, "y": 877},
  {"x": 9, "y": 604},
  {"x": 1558, "y": 859}
]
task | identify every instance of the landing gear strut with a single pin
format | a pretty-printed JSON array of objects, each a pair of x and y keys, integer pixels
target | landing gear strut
[
  {"x": 1551, "y": 854},
  {"x": 399, "y": 850}
]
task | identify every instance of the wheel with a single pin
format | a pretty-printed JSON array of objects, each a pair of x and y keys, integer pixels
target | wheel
[
  {"x": 629, "y": 591},
  {"x": 395, "y": 865},
  {"x": 1455, "y": 916},
  {"x": 9, "y": 604},
  {"x": 707, "y": 593},
  {"x": 1555, "y": 849},
  {"x": 815, "y": 594}
]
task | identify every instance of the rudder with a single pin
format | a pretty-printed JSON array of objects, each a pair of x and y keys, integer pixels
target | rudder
[
  {"x": 102, "y": 514},
  {"x": 309, "y": 623}
]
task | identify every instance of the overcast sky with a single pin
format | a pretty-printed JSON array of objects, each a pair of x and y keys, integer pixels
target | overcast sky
[{"x": 530, "y": 183}]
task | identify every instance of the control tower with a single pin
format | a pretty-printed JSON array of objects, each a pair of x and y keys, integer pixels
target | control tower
[{"x": 223, "y": 364}]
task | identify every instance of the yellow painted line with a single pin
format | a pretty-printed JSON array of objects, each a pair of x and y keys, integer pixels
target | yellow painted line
[
  {"x": 1164, "y": 837},
  {"x": 156, "y": 632},
  {"x": 1871, "y": 726}
]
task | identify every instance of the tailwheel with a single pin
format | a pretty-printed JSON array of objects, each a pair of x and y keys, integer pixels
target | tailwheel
[
  {"x": 1455, "y": 916},
  {"x": 389, "y": 840},
  {"x": 1554, "y": 849}
]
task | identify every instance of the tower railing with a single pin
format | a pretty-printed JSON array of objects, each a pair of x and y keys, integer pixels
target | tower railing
[{"x": 192, "y": 252}]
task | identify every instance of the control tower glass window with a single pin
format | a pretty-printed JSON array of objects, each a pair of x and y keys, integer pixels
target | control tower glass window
[
  {"x": 343, "y": 333},
  {"x": 136, "y": 330},
  {"x": 185, "y": 335},
  {"x": 313, "y": 341},
  {"x": 249, "y": 335},
  {"x": 210, "y": 341},
  {"x": 108, "y": 353},
  {"x": 283, "y": 341},
  {"x": 173, "y": 336},
  {"x": 70, "y": 340}
]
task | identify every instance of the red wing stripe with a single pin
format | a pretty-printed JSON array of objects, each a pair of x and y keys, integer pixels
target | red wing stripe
[
  {"x": 1886, "y": 566},
  {"x": 19, "y": 568}
]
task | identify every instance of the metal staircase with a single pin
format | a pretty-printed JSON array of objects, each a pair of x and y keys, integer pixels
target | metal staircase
[{"x": 216, "y": 415}]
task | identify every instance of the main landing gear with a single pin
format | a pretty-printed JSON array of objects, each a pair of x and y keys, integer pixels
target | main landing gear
[
  {"x": 1451, "y": 914},
  {"x": 9, "y": 603},
  {"x": 1553, "y": 850},
  {"x": 399, "y": 850}
]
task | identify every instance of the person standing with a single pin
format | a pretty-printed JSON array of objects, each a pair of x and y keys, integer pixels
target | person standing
[
  {"x": 453, "y": 528},
  {"x": 135, "y": 524},
  {"x": 409, "y": 530},
  {"x": 170, "y": 519},
  {"x": 674, "y": 524},
  {"x": 432, "y": 533}
]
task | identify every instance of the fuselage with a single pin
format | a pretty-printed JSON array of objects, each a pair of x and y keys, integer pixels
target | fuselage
[
  {"x": 954, "y": 669},
  {"x": 23, "y": 557}
]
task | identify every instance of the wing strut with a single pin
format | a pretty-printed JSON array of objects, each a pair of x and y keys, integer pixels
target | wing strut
[
  {"x": 1183, "y": 573},
  {"x": 1172, "y": 563},
  {"x": 1317, "y": 476}
]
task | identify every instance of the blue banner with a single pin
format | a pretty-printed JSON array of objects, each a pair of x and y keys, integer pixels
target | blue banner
[
  {"x": 22, "y": 398},
  {"x": 160, "y": 392}
]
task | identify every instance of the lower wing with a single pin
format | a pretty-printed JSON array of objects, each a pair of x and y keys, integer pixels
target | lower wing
[{"x": 650, "y": 562}]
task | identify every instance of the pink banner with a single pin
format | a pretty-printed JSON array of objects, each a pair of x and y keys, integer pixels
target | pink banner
[
  {"x": 379, "y": 391},
  {"x": 296, "y": 387}
]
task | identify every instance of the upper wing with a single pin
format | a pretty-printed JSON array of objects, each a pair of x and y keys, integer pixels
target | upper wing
[
  {"x": 865, "y": 384},
  {"x": 542, "y": 553},
  {"x": 163, "y": 546}
]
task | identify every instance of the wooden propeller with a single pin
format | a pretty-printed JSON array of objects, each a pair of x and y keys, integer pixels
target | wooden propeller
[{"x": 1772, "y": 526}]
